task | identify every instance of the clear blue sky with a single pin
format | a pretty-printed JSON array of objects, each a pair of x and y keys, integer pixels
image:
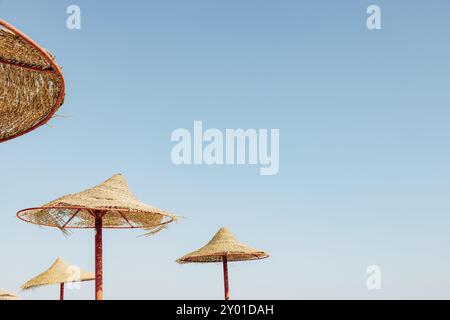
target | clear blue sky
[{"x": 365, "y": 145}]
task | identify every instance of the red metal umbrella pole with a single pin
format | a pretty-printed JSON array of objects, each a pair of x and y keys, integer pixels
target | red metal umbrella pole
[
  {"x": 98, "y": 257},
  {"x": 61, "y": 291},
  {"x": 225, "y": 277}
]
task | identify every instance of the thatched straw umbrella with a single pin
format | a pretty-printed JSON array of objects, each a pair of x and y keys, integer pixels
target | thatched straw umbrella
[
  {"x": 31, "y": 84},
  {"x": 6, "y": 295},
  {"x": 223, "y": 247},
  {"x": 60, "y": 272},
  {"x": 109, "y": 205}
]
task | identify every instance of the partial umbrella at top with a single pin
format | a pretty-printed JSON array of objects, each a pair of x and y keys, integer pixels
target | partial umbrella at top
[{"x": 32, "y": 85}]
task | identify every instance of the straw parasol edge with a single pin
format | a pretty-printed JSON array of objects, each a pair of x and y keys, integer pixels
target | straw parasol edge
[{"x": 7, "y": 295}]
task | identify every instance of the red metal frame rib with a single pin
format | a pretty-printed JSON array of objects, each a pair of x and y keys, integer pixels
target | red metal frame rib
[
  {"x": 125, "y": 218},
  {"x": 26, "y": 66},
  {"x": 68, "y": 221}
]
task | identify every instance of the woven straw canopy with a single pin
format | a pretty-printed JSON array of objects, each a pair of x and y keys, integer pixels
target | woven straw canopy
[
  {"x": 6, "y": 295},
  {"x": 223, "y": 244},
  {"x": 112, "y": 199},
  {"x": 31, "y": 84},
  {"x": 59, "y": 272}
]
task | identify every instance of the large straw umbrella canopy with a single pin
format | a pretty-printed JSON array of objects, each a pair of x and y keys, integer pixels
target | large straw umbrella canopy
[
  {"x": 6, "y": 295},
  {"x": 109, "y": 205},
  {"x": 31, "y": 84},
  {"x": 60, "y": 272},
  {"x": 223, "y": 247}
]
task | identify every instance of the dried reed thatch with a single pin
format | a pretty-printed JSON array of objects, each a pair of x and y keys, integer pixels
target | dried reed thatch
[
  {"x": 58, "y": 273},
  {"x": 31, "y": 84},
  {"x": 6, "y": 295},
  {"x": 223, "y": 244},
  {"x": 118, "y": 207},
  {"x": 108, "y": 205}
]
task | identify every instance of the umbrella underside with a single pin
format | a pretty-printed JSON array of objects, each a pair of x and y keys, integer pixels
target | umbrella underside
[
  {"x": 218, "y": 257},
  {"x": 72, "y": 217},
  {"x": 31, "y": 88}
]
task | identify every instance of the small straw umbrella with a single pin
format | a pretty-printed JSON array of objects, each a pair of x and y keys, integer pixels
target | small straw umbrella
[
  {"x": 109, "y": 205},
  {"x": 60, "y": 272},
  {"x": 31, "y": 84},
  {"x": 223, "y": 247},
  {"x": 6, "y": 295}
]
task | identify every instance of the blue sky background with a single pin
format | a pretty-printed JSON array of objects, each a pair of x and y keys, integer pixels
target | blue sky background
[{"x": 365, "y": 145}]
